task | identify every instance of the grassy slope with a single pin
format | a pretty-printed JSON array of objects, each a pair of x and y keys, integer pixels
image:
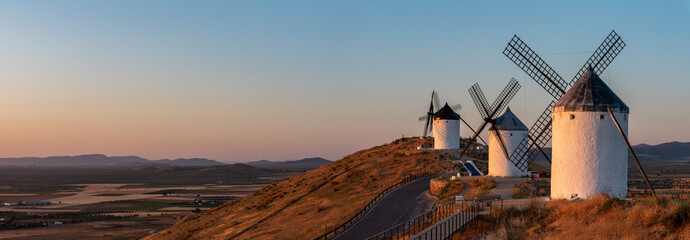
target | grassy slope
[
  {"x": 301, "y": 206},
  {"x": 601, "y": 217}
]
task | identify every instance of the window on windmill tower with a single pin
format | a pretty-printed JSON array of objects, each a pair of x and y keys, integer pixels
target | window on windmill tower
[
  {"x": 601, "y": 116},
  {"x": 572, "y": 116},
  {"x": 625, "y": 117}
]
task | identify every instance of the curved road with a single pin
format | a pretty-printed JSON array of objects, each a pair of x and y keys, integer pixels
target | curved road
[{"x": 400, "y": 205}]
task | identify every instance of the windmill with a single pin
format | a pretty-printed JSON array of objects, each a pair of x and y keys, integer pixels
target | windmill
[
  {"x": 434, "y": 106},
  {"x": 490, "y": 112},
  {"x": 530, "y": 62}
]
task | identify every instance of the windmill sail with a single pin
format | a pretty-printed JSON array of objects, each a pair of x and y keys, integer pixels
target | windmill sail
[
  {"x": 489, "y": 112},
  {"x": 530, "y": 62}
]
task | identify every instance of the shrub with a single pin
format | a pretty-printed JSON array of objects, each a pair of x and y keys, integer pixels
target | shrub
[
  {"x": 658, "y": 201},
  {"x": 398, "y": 154},
  {"x": 676, "y": 218},
  {"x": 524, "y": 190},
  {"x": 320, "y": 209},
  {"x": 610, "y": 203}
]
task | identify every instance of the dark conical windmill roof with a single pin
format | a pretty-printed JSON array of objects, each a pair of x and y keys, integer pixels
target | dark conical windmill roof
[
  {"x": 446, "y": 113},
  {"x": 509, "y": 122},
  {"x": 590, "y": 94}
]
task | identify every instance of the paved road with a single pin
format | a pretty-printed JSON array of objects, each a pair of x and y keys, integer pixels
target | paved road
[{"x": 400, "y": 205}]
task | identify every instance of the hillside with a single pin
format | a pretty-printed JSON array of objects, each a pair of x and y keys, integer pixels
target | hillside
[
  {"x": 100, "y": 160},
  {"x": 296, "y": 165},
  {"x": 301, "y": 206},
  {"x": 189, "y": 162}
]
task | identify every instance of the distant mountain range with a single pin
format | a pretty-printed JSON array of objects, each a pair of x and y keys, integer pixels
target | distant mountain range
[
  {"x": 670, "y": 151},
  {"x": 100, "y": 160},
  {"x": 303, "y": 164},
  {"x": 664, "y": 151}
]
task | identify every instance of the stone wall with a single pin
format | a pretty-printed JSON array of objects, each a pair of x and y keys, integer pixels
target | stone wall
[{"x": 437, "y": 184}]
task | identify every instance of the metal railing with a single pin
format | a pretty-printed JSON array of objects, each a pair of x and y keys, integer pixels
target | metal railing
[
  {"x": 485, "y": 201},
  {"x": 419, "y": 223},
  {"x": 444, "y": 220},
  {"x": 446, "y": 228},
  {"x": 358, "y": 216}
]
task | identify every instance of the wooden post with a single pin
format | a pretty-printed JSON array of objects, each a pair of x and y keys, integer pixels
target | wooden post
[{"x": 631, "y": 151}]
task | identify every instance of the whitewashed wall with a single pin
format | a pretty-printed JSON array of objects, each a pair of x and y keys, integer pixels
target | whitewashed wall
[
  {"x": 589, "y": 155},
  {"x": 446, "y": 134},
  {"x": 499, "y": 165}
]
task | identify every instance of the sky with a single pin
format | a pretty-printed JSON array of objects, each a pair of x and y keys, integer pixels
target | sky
[{"x": 247, "y": 80}]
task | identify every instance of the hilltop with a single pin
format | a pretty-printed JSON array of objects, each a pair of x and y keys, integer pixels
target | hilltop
[
  {"x": 296, "y": 165},
  {"x": 299, "y": 207}
]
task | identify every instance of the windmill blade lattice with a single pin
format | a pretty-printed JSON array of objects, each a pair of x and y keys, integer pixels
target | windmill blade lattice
[
  {"x": 430, "y": 114},
  {"x": 523, "y": 56},
  {"x": 603, "y": 56},
  {"x": 480, "y": 101},
  {"x": 456, "y": 107},
  {"x": 437, "y": 103},
  {"x": 506, "y": 95},
  {"x": 530, "y": 146},
  {"x": 528, "y": 60}
]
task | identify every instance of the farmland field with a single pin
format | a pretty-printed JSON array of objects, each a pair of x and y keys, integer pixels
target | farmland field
[{"x": 116, "y": 203}]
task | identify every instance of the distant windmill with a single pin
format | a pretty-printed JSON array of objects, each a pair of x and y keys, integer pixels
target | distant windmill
[
  {"x": 490, "y": 112},
  {"x": 435, "y": 106},
  {"x": 587, "y": 158}
]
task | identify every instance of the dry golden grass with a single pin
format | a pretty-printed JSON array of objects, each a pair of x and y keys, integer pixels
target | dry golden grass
[
  {"x": 480, "y": 187},
  {"x": 601, "y": 217},
  {"x": 530, "y": 189},
  {"x": 301, "y": 207},
  {"x": 448, "y": 192}
]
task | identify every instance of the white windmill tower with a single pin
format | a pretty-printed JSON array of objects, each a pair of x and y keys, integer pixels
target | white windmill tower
[
  {"x": 587, "y": 157},
  {"x": 507, "y": 131},
  {"x": 443, "y": 124},
  {"x": 446, "y": 128}
]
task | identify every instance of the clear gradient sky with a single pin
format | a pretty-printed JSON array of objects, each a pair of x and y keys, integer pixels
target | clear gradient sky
[{"x": 278, "y": 80}]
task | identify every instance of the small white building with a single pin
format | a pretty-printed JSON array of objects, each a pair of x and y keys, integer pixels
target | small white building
[
  {"x": 511, "y": 130},
  {"x": 446, "y": 129},
  {"x": 589, "y": 156}
]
